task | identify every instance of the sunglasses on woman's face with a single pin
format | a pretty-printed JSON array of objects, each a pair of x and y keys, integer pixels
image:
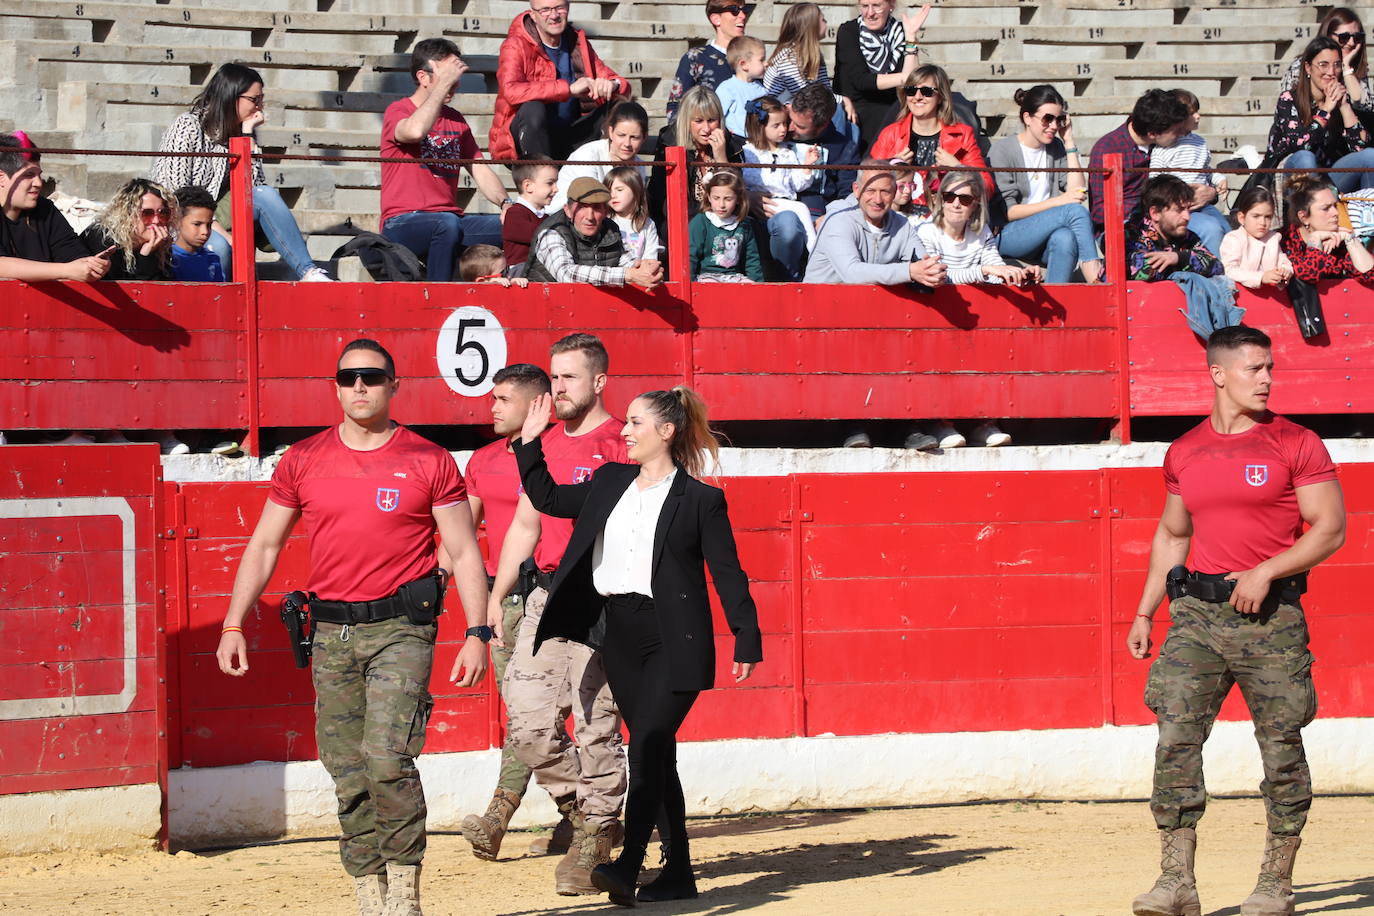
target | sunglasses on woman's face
[
  {"x": 966, "y": 200},
  {"x": 927, "y": 92},
  {"x": 1047, "y": 120},
  {"x": 149, "y": 213},
  {"x": 1346, "y": 38}
]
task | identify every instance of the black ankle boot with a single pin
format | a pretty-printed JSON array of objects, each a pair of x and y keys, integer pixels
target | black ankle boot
[
  {"x": 619, "y": 878},
  {"x": 675, "y": 881}
]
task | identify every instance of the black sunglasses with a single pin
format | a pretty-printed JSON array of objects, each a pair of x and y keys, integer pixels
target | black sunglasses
[
  {"x": 347, "y": 378},
  {"x": 1049, "y": 119},
  {"x": 733, "y": 10},
  {"x": 967, "y": 200},
  {"x": 1346, "y": 38},
  {"x": 926, "y": 91}
]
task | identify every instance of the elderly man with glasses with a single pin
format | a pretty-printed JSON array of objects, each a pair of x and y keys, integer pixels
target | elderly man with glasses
[
  {"x": 553, "y": 90},
  {"x": 707, "y": 65}
]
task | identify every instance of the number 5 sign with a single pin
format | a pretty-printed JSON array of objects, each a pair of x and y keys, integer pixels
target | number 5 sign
[{"x": 471, "y": 348}]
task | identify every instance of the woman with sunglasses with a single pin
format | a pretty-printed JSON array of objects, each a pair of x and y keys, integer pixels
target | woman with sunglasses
[
  {"x": 135, "y": 232},
  {"x": 1342, "y": 26},
  {"x": 874, "y": 54},
  {"x": 1045, "y": 218},
  {"x": 1315, "y": 125},
  {"x": 929, "y": 135},
  {"x": 231, "y": 105},
  {"x": 706, "y": 65}
]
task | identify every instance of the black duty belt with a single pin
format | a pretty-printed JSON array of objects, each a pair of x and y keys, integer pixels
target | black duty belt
[
  {"x": 544, "y": 580},
  {"x": 1216, "y": 588},
  {"x": 354, "y": 612}
]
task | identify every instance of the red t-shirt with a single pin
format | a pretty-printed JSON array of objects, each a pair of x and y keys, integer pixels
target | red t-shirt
[
  {"x": 573, "y": 459},
  {"x": 494, "y": 478},
  {"x": 368, "y": 515},
  {"x": 424, "y": 188},
  {"x": 1239, "y": 489}
]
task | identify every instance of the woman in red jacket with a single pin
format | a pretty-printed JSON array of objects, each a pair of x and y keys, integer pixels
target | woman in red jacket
[{"x": 929, "y": 135}]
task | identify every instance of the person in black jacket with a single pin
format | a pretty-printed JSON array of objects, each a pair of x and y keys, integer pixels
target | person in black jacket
[
  {"x": 632, "y": 583},
  {"x": 36, "y": 241},
  {"x": 874, "y": 54},
  {"x": 137, "y": 224}
]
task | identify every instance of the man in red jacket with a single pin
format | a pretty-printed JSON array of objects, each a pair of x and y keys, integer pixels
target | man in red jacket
[{"x": 553, "y": 91}]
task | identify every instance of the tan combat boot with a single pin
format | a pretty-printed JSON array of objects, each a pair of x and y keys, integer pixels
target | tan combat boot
[
  {"x": 403, "y": 890},
  {"x": 1175, "y": 891},
  {"x": 568, "y": 880},
  {"x": 371, "y": 893},
  {"x": 486, "y": 831},
  {"x": 1273, "y": 894},
  {"x": 556, "y": 842}
]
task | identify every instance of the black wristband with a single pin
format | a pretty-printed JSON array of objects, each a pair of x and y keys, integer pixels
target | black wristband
[{"x": 484, "y": 633}]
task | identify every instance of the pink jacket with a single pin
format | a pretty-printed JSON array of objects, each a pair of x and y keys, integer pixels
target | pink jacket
[{"x": 1246, "y": 258}]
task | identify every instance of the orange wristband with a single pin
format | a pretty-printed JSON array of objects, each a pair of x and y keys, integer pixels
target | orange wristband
[{"x": 231, "y": 630}]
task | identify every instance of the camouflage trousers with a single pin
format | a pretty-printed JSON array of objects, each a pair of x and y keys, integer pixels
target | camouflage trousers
[
  {"x": 372, "y": 704},
  {"x": 515, "y": 776},
  {"x": 540, "y": 690},
  {"x": 1209, "y": 649}
]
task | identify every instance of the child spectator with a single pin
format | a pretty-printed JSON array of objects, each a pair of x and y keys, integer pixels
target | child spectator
[
  {"x": 721, "y": 239},
  {"x": 1189, "y": 160},
  {"x": 630, "y": 210},
  {"x": 36, "y": 241},
  {"x": 538, "y": 184},
  {"x": 137, "y": 224},
  {"x": 958, "y": 232},
  {"x": 746, "y": 55},
  {"x": 768, "y": 124},
  {"x": 486, "y": 264},
  {"x": 1251, "y": 254},
  {"x": 191, "y": 259}
]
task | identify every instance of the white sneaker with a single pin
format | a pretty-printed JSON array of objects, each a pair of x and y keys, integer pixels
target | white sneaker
[
  {"x": 988, "y": 435},
  {"x": 947, "y": 435},
  {"x": 280, "y": 450},
  {"x": 858, "y": 440},
  {"x": 174, "y": 446},
  {"x": 316, "y": 275},
  {"x": 226, "y": 449}
]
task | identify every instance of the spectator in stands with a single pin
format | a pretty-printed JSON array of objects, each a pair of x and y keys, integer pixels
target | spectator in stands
[
  {"x": 36, "y": 242},
  {"x": 699, "y": 128},
  {"x": 872, "y": 243},
  {"x": 487, "y": 264},
  {"x": 746, "y": 55},
  {"x": 1189, "y": 160},
  {"x": 1157, "y": 119},
  {"x": 537, "y": 186},
  {"x": 722, "y": 244},
  {"x": 1251, "y": 254},
  {"x": 769, "y": 126},
  {"x": 626, "y": 127},
  {"x": 630, "y": 209},
  {"x": 1314, "y": 241},
  {"x": 1342, "y": 26},
  {"x": 874, "y": 54},
  {"x": 811, "y": 112},
  {"x": 553, "y": 91},
  {"x": 797, "y": 60},
  {"x": 137, "y": 224},
  {"x": 708, "y": 65},
  {"x": 192, "y": 258},
  {"x": 930, "y": 135},
  {"x": 419, "y": 202},
  {"x": 231, "y": 105},
  {"x": 1046, "y": 221},
  {"x": 580, "y": 245},
  {"x": 959, "y": 233},
  {"x": 1158, "y": 241},
  {"x": 1316, "y": 126}
]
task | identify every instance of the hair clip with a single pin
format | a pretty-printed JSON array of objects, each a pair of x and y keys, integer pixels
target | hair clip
[{"x": 755, "y": 108}]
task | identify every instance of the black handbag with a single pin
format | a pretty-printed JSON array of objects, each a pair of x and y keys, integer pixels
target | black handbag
[{"x": 1307, "y": 308}]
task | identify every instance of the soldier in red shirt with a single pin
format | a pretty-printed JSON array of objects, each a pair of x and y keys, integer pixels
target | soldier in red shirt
[
  {"x": 372, "y": 494},
  {"x": 1240, "y": 486},
  {"x": 587, "y": 781}
]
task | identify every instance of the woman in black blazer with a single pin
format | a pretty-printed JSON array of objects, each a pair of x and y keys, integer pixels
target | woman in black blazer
[{"x": 633, "y": 585}]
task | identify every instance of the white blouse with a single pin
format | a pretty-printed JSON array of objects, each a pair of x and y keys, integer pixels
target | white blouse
[{"x": 623, "y": 557}]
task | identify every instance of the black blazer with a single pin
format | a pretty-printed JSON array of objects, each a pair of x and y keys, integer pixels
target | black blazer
[{"x": 693, "y": 532}]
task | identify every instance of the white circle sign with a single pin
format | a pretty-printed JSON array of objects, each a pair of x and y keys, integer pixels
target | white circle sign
[{"x": 470, "y": 350}]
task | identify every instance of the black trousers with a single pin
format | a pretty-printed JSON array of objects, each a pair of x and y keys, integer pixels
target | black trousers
[
  {"x": 538, "y": 134},
  {"x": 637, "y": 669}
]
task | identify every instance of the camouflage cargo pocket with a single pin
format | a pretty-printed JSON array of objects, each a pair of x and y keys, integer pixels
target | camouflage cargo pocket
[
  {"x": 407, "y": 735},
  {"x": 1299, "y": 666}
]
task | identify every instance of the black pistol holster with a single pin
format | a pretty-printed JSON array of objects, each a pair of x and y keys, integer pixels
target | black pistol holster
[
  {"x": 1176, "y": 583},
  {"x": 299, "y": 628},
  {"x": 423, "y": 600}
]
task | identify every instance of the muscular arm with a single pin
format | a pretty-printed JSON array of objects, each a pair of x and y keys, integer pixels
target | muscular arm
[
  {"x": 1168, "y": 549},
  {"x": 255, "y": 569},
  {"x": 1322, "y": 506},
  {"x": 460, "y": 543}
]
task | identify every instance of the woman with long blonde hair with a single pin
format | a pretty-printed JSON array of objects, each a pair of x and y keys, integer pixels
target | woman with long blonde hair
[
  {"x": 135, "y": 232},
  {"x": 700, "y": 129}
]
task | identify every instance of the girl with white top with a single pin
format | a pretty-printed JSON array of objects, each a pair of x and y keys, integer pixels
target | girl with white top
[
  {"x": 630, "y": 210},
  {"x": 1251, "y": 254},
  {"x": 626, "y": 127},
  {"x": 1046, "y": 221},
  {"x": 767, "y": 123},
  {"x": 959, "y": 233}
]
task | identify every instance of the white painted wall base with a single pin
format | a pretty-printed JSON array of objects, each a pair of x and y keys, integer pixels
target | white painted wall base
[
  {"x": 228, "y": 804},
  {"x": 93, "y": 820}
]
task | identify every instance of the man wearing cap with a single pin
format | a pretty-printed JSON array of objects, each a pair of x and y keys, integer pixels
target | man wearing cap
[{"x": 579, "y": 245}]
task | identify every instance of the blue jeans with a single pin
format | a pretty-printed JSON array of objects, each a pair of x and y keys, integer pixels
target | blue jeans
[
  {"x": 437, "y": 237},
  {"x": 1344, "y": 182},
  {"x": 1210, "y": 224},
  {"x": 271, "y": 213},
  {"x": 787, "y": 244},
  {"x": 1061, "y": 237}
]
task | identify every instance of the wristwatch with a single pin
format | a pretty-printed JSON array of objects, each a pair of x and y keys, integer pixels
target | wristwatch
[{"x": 483, "y": 633}]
